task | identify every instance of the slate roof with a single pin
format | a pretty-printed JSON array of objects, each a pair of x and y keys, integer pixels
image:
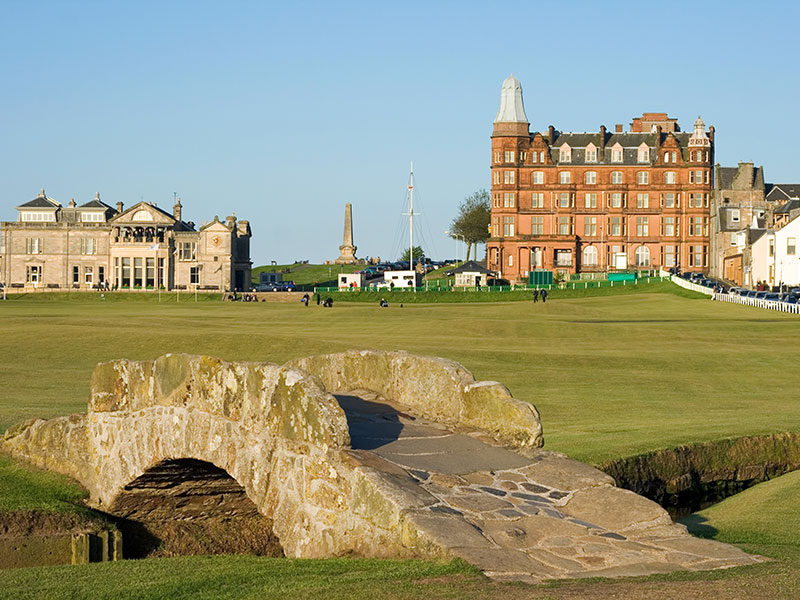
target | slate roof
[
  {"x": 630, "y": 143},
  {"x": 788, "y": 207},
  {"x": 782, "y": 191},
  {"x": 95, "y": 204},
  {"x": 470, "y": 267},
  {"x": 40, "y": 202},
  {"x": 753, "y": 235}
]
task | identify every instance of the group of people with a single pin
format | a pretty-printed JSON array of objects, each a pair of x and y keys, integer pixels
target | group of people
[
  {"x": 327, "y": 303},
  {"x": 537, "y": 293}
]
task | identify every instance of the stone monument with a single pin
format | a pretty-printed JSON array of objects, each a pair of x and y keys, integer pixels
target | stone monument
[{"x": 347, "y": 249}]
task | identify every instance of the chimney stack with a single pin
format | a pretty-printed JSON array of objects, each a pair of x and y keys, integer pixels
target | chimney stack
[
  {"x": 602, "y": 139},
  {"x": 176, "y": 210},
  {"x": 119, "y": 208},
  {"x": 618, "y": 128},
  {"x": 551, "y": 131}
]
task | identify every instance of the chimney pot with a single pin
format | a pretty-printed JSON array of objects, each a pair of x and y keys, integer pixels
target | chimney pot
[{"x": 618, "y": 128}]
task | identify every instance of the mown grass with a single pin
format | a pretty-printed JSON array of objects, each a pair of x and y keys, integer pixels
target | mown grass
[
  {"x": 472, "y": 295},
  {"x": 235, "y": 577},
  {"x": 25, "y": 488},
  {"x": 611, "y": 375},
  {"x": 305, "y": 274},
  {"x": 765, "y": 514}
]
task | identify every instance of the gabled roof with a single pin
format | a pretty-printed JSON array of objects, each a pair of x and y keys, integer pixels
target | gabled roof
[
  {"x": 160, "y": 216},
  {"x": 782, "y": 191},
  {"x": 41, "y": 201},
  {"x": 470, "y": 267},
  {"x": 95, "y": 204},
  {"x": 215, "y": 224}
]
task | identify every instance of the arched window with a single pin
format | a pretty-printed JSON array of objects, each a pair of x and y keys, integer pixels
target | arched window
[
  {"x": 642, "y": 256},
  {"x": 590, "y": 256}
]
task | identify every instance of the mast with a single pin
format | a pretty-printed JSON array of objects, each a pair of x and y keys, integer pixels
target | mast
[{"x": 411, "y": 219}]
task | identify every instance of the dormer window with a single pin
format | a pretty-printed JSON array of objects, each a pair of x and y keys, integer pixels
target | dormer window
[
  {"x": 644, "y": 153},
  {"x": 565, "y": 154},
  {"x": 591, "y": 153},
  {"x": 616, "y": 153}
]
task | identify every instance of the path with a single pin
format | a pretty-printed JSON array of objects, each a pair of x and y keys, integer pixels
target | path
[{"x": 523, "y": 518}]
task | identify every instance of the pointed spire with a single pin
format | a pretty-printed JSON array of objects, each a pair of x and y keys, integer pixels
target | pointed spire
[{"x": 511, "y": 106}]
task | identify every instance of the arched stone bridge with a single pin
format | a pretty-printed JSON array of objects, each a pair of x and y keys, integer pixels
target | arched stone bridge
[{"x": 381, "y": 454}]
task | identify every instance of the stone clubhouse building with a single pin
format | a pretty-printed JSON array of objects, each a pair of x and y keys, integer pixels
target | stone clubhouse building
[
  {"x": 95, "y": 246},
  {"x": 597, "y": 201}
]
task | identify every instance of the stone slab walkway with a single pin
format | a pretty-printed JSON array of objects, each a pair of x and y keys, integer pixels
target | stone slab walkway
[{"x": 518, "y": 517}]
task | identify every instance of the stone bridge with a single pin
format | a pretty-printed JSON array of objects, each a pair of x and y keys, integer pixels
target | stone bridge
[{"x": 379, "y": 454}]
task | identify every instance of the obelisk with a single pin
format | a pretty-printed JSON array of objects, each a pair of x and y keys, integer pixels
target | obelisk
[{"x": 347, "y": 249}]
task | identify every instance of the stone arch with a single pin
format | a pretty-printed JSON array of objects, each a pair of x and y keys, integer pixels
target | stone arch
[{"x": 188, "y": 506}]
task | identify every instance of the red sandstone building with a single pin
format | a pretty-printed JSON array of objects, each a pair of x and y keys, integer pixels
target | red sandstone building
[{"x": 591, "y": 202}]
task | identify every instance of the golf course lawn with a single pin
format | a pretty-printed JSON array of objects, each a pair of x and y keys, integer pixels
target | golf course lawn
[{"x": 611, "y": 376}]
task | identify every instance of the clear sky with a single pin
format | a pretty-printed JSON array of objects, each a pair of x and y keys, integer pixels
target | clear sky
[{"x": 282, "y": 112}]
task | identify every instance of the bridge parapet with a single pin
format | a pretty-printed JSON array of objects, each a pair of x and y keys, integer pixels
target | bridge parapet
[{"x": 436, "y": 388}]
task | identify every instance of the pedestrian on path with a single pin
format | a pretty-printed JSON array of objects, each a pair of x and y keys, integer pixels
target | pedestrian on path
[
  {"x": 316, "y": 297},
  {"x": 536, "y": 295},
  {"x": 544, "y": 296}
]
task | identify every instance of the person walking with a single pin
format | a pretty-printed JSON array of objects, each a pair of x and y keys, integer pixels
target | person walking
[
  {"x": 316, "y": 297},
  {"x": 535, "y": 295},
  {"x": 544, "y": 296}
]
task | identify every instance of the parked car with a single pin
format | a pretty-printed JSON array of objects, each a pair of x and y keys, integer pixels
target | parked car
[
  {"x": 772, "y": 296},
  {"x": 736, "y": 291},
  {"x": 750, "y": 294},
  {"x": 288, "y": 286},
  {"x": 760, "y": 295},
  {"x": 269, "y": 287},
  {"x": 790, "y": 299}
]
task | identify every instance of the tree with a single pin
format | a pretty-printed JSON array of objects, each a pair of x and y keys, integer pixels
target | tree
[
  {"x": 472, "y": 222},
  {"x": 419, "y": 254}
]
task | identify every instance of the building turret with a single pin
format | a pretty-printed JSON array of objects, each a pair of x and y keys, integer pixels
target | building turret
[
  {"x": 699, "y": 138},
  {"x": 176, "y": 209},
  {"x": 511, "y": 117}
]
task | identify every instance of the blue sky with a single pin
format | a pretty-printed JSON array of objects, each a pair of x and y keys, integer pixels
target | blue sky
[{"x": 283, "y": 112}]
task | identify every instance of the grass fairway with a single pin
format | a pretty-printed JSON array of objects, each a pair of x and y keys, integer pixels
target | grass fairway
[{"x": 611, "y": 376}]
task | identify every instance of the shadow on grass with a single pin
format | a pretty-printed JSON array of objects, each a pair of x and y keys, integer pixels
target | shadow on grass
[{"x": 698, "y": 525}]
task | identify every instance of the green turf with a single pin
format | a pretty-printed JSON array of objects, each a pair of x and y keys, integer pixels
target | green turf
[
  {"x": 471, "y": 294},
  {"x": 303, "y": 274},
  {"x": 234, "y": 577},
  {"x": 612, "y": 376},
  {"x": 765, "y": 514},
  {"x": 23, "y": 488}
]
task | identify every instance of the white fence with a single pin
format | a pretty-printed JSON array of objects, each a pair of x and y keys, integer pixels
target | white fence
[
  {"x": 688, "y": 285},
  {"x": 758, "y": 303}
]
